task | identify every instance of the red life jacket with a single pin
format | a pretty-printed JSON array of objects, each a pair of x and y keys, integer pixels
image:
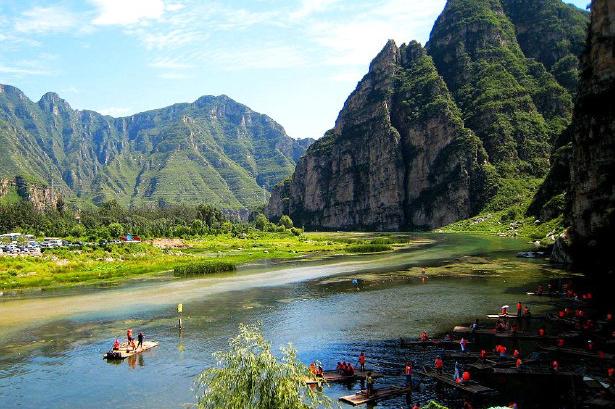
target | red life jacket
[
  {"x": 408, "y": 370},
  {"x": 439, "y": 363},
  {"x": 362, "y": 359},
  {"x": 518, "y": 363},
  {"x": 466, "y": 376},
  {"x": 560, "y": 342},
  {"x": 516, "y": 353},
  {"x": 555, "y": 365}
]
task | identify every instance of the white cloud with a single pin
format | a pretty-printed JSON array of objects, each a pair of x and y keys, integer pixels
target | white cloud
[
  {"x": 127, "y": 12},
  {"x": 173, "y": 76},
  {"x": 170, "y": 64},
  {"x": 22, "y": 70},
  {"x": 46, "y": 20},
  {"x": 115, "y": 111},
  {"x": 357, "y": 39},
  {"x": 309, "y": 7}
]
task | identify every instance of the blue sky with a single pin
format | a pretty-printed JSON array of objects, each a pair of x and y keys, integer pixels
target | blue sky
[{"x": 295, "y": 60}]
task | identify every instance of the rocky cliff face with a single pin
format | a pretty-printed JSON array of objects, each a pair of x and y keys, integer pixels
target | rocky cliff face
[
  {"x": 593, "y": 156},
  {"x": 214, "y": 150},
  {"x": 41, "y": 197},
  {"x": 399, "y": 155}
]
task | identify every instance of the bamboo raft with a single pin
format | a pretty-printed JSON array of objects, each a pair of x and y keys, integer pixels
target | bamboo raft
[
  {"x": 447, "y": 344},
  {"x": 334, "y": 377},
  {"x": 471, "y": 387},
  {"x": 361, "y": 397},
  {"x": 533, "y": 372},
  {"x": 467, "y": 356},
  {"x": 578, "y": 352},
  {"x": 125, "y": 352},
  {"x": 514, "y": 335}
]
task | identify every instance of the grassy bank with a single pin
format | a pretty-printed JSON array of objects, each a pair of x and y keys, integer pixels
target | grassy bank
[
  {"x": 198, "y": 256},
  {"x": 506, "y": 215}
]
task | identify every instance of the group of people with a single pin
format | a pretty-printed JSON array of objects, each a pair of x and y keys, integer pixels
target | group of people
[
  {"x": 345, "y": 368},
  {"x": 316, "y": 370},
  {"x": 130, "y": 344}
]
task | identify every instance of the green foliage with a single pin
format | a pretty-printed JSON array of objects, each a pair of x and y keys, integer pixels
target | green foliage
[
  {"x": 203, "y": 268},
  {"x": 434, "y": 405},
  {"x": 286, "y": 221},
  {"x": 249, "y": 376},
  {"x": 261, "y": 222},
  {"x": 368, "y": 248}
]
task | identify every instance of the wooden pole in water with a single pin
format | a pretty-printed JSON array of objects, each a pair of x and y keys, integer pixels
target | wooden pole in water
[{"x": 180, "y": 309}]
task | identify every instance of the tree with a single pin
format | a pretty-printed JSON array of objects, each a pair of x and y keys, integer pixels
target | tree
[
  {"x": 249, "y": 376},
  {"x": 116, "y": 230},
  {"x": 261, "y": 221},
  {"x": 286, "y": 221}
]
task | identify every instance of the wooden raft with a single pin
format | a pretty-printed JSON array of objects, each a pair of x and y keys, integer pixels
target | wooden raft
[
  {"x": 471, "y": 387},
  {"x": 578, "y": 352},
  {"x": 524, "y": 371},
  {"x": 125, "y": 352},
  {"x": 334, "y": 377},
  {"x": 451, "y": 344},
  {"x": 361, "y": 397}
]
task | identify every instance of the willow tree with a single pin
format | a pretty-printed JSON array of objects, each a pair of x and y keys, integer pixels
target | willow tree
[{"x": 249, "y": 376}]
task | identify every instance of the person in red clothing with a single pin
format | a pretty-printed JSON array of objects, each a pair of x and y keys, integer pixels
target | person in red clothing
[
  {"x": 408, "y": 372},
  {"x": 439, "y": 365},
  {"x": 518, "y": 363},
  {"x": 516, "y": 354},
  {"x": 350, "y": 371},
  {"x": 561, "y": 342},
  {"x": 129, "y": 335},
  {"x": 362, "y": 361},
  {"x": 483, "y": 354},
  {"x": 466, "y": 376},
  {"x": 116, "y": 345},
  {"x": 541, "y": 332},
  {"x": 519, "y": 308},
  {"x": 562, "y": 314},
  {"x": 555, "y": 365},
  {"x": 590, "y": 345}
]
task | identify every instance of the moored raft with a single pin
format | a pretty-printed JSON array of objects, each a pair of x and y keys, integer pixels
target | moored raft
[
  {"x": 334, "y": 377},
  {"x": 361, "y": 397},
  {"x": 447, "y": 344},
  {"x": 580, "y": 352},
  {"x": 471, "y": 387},
  {"x": 125, "y": 352}
]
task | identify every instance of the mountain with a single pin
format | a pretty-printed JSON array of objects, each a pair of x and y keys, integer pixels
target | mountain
[
  {"x": 213, "y": 150},
  {"x": 436, "y": 134},
  {"x": 399, "y": 155},
  {"x": 591, "y": 193}
]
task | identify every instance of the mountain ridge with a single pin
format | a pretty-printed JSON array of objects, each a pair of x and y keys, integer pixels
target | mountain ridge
[{"x": 213, "y": 150}]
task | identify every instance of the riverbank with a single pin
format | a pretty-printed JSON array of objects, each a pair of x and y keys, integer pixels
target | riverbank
[{"x": 113, "y": 264}]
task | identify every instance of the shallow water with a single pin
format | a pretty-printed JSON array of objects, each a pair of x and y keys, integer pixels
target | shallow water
[{"x": 51, "y": 346}]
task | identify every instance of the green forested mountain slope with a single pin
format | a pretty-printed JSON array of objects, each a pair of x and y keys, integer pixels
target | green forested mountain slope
[{"x": 214, "y": 150}]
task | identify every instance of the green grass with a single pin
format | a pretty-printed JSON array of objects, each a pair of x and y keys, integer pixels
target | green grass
[
  {"x": 505, "y": 214},
  {"x": 203, "y": 255}
]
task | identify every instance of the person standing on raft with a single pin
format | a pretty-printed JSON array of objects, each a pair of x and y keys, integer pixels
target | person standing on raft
[
  {"x": 362, "y": 361},
  {"x": 370, "y": 384},
  {"x": 140, "y": 340}
]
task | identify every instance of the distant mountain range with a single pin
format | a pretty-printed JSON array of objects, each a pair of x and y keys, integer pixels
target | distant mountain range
[
  {"x": 214, "y": 151},
  {"x": 440, "y": 133}
]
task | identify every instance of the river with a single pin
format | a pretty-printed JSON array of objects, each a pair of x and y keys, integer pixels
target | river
[{"x": 51, "y": 344}]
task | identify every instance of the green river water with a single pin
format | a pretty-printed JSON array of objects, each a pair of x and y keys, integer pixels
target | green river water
[{"x": 51, "y": 344}]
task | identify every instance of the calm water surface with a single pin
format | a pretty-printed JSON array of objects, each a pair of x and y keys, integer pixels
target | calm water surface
[{"x": 51, "y": 346}]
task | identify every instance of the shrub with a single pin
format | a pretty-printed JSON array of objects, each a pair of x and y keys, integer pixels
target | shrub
[
  {"x": 286, "y": 221},
  {"x": 367, "y": 248},
  {"x": 204, "y": 268}
]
